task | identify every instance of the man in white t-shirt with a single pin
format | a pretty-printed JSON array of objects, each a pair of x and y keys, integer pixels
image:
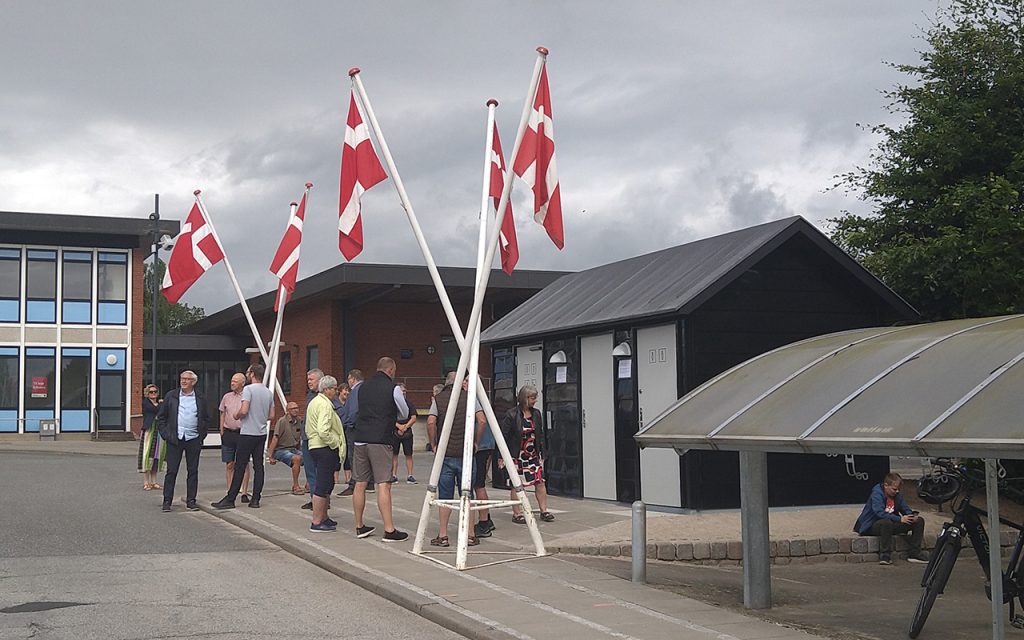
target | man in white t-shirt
[{"x": 255, "y": 414}]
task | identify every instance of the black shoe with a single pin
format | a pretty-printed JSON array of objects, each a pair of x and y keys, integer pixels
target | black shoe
[
  {"x": 344, "y": 493},
  {"x": 481, "y": 530},
  {"x": 254, "y": 503},
  {"x": 885, "y": 558},
  {"x": 192, "y": 506},
  {"x": 308, "y": 506},
  {"x": 223, "y": 503},
  {"x": 489, "y": 524},
  {"x": 362, "y": 532},
  {"x": 330, "y": 522},
  {"x": 921, "y": 557},
  {"x": 245, "y": 498},
  {"x": 395, "y": 536},
  {"x": 166, "y": 507},
  {"x": 370, "y": 488}
]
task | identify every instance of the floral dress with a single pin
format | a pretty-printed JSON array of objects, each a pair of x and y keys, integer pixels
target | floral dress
[
  {"x": 530, "y": 467},
  {"x": 154, "y": 450}
]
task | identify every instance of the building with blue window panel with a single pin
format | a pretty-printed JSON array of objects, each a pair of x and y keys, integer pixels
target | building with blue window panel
[{"x": 71, "y": 299}]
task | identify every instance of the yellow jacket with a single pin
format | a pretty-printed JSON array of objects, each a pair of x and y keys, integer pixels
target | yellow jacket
[{"x": 323, "y": 427}]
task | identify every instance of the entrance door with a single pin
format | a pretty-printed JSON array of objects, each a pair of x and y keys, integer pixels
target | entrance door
[
  {"x": 529, "y": 366},
  {"x": 597, "y": 393},
  {"x": 110, "y": 400},
  {"x": 657, "y": 390}
]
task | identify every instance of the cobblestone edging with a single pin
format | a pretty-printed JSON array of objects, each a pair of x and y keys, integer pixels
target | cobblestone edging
[{"x": 794, "y": 551}]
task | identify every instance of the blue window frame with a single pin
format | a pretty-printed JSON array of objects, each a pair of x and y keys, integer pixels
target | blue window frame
[
  {"x": 112, "y": 288},
  {"x": 76, "y": 292},
  {"x": 41, "y": 287},
  {"x": 9, "y": 385},
  {"x": 10, "y": 285}
]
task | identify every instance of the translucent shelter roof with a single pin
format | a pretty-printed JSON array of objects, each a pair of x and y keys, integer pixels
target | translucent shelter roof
[{"x": 952, "y": 388}]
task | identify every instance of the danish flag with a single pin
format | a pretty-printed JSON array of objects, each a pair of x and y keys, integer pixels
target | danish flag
[
  {"x": 195, "y": 251},
  {"x": 360, "y": 170},
  {"x": 535, "y": 163},
  {"x": 286, "y": 261},
  {"x": 509, "y": 245}
]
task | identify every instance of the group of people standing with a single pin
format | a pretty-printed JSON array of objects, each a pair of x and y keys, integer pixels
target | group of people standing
[{"x": 358, "y": 427}]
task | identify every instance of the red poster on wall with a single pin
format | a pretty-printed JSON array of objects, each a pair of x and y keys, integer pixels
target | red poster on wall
[{"x": 40, "y": 386}]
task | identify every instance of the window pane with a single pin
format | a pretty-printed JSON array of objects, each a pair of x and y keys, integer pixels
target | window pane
[
  {"x": 112, "y": 313},
  {"x": 77, "y": 281},
  {"x": 9, "y": 381},
  {"x": 42, "y": 279},
  {"x": 39, "y": 379},
  {"x": 285, "y": 374},
  {"x": 112, "y": 280},
  {"x": 74, "y": 382},
  {"x": 312, "y": 358},
  {"x": 10, "y": 278}
]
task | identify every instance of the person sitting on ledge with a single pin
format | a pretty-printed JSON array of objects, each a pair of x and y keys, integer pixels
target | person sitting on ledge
[{"x": 886, "y": 514}]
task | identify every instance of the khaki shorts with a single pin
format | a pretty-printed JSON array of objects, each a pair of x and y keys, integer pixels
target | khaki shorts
[{"x": 372, "y": 463}]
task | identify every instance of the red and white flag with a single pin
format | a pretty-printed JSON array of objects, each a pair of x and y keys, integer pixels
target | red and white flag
[
  {"x": 286, "y": 261},
  {"x": 360, "y": 170},
  {"x": 195, "y": 251},
  {"x": 535, "y": 163},
  {"x": 508, "y": 244}
]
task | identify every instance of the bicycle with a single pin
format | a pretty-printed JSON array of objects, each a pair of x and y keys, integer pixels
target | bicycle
[{"x": 956, "y": 483}]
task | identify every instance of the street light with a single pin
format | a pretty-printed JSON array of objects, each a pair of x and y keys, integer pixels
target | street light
[{"x": 160, "y": 241}]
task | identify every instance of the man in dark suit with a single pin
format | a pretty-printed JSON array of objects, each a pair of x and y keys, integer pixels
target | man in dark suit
[{"x": 182, "y": 422}]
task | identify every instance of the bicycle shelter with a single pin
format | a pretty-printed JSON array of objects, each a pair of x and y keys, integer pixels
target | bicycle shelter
[{"x": 941, "y": 389}]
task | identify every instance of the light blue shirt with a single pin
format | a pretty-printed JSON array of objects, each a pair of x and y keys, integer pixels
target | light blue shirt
[{"x": 188, "y": 416}]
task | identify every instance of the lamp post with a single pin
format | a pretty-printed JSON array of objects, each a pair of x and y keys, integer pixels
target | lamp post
[{"x": 158, "y": 243}]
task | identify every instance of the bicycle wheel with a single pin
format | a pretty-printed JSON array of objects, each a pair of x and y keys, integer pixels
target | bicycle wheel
[{"x": 934, "y": 584}]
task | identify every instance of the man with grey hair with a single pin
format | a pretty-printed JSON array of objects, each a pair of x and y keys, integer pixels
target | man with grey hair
[
  {"x": 326, "y": 445},
  {"x": 182, "y": 422}
]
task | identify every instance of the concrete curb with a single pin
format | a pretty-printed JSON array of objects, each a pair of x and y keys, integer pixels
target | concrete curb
[{"x": 407, "y": 598}]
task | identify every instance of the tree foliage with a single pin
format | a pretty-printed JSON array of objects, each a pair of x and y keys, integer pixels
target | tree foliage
[
  {"x": 947, "y": 232},
  {"x": 171, "y": 318}
]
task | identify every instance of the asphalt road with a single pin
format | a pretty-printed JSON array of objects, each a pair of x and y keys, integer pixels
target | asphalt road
[{"x": 86, "y": 553}]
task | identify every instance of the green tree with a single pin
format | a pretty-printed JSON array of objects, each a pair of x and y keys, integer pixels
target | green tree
[
  {"x": 947, "y": 231},
  {"x": 171, "y": 318}
]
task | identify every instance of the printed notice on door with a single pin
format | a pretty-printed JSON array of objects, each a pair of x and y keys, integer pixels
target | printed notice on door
[{"x": 625, "y": 368}]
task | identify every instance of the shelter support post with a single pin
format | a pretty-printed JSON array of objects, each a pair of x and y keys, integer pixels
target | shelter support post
[
  {"x": 995, "y": 561},
  {"x": 757, "y": 579}
]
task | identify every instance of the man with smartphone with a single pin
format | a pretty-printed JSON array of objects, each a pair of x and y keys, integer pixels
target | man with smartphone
[{"x": 887, "y": 514}]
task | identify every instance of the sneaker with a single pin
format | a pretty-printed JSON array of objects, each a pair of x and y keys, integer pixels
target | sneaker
[
  {"x": 308, "y": 506},
  {"x": 254, "y": 503},
  {"x": 166, "y": 507},
  {"x": 223, "y": 503},
  {"x": 885, "y": 558},
  {"x": 346, "y": 492},
  {"x": 322, "y": 527},
  {"x": 192, "y": 506},
  {"x": 395, "y": 536},
  {"x": 393, "y": 480},
  {"x": 371, "y": 488},
  {"x": 410, "y": 480},
  {"x": 481, "y": 530},
  {"x": 330, "y": 522},
  {"x": 489, "y": 524},
  {"x": 245, "y": 498},
  {"x": 921, "y": 557},
  {"x": 363, "y": 531}
]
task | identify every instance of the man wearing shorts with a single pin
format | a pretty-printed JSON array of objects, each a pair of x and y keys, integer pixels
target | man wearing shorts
[
  {"x": 229, "y": 429},
  {"x": 404, "y": 444},
  {"x": 284, "y": 446},
  {"x": 485, "y": 449},
  {"x": 451, "y": 467},
  {"x": 381, "y": 408}
]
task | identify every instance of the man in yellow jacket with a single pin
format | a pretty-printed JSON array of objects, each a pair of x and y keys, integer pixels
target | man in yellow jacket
[{"x": 326, "y": 447}]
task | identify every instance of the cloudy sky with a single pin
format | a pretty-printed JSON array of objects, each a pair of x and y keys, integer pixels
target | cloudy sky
[{"x": 674, "y": 120}]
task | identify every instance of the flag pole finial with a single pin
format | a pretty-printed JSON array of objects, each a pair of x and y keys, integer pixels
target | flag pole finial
[
  {"x": 294, "y": 204},
  {"x": 492, "y": 102},
  {"x": 353, "y": 71},
  {"x": 196, "y": 193},
  {"x": 542, "y": 51},
  {"x": 309, "y": 185}
]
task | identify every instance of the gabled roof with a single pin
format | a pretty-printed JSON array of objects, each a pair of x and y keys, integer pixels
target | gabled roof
[
  {"x": 358, "y": 282},
  {"x": 667, "y": 282}
]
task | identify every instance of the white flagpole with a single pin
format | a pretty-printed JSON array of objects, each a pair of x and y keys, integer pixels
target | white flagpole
[
  {"x": 270, "y": 375},
  {"x": 238, "y": 290}
]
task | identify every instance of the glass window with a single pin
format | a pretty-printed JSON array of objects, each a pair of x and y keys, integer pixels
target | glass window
[
  {"x": 284, "y": 362},
  {"x": 504, "y": 395},
  {"x": 449, "y": 355},
  {"x": 312, "y": 357},
  {"x": 76, "y": 307},
  {"x": 9, "y": 389},
  {"x": 39, "y": 391},
  {"x": 10, "y": 285},
  {"x": 112, "y": 288},
  {"x": 41, "y": 286},
  {"x": 74, "y": 389}
]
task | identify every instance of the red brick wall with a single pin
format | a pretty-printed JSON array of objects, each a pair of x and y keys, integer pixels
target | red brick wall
[{"x": 137, "y": 294}]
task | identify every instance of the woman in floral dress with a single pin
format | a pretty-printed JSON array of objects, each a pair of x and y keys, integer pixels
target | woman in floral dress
[
  {"x": 524, "y": 433},
  {"x": 152, "y": 446}
]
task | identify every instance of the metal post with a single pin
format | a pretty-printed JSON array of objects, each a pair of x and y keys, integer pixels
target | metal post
[
  {"x": 155, "y": 299},
  {"x": 757, "y": 577},
  {"x": 995, "y": 547},
  {"x": 639, "y": 542}
]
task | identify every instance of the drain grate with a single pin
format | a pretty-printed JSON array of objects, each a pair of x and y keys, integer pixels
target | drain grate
[{"x": 32, "y": 607}]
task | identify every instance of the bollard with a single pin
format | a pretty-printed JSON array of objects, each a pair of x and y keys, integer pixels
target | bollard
[{"x": 639, "y": 542}]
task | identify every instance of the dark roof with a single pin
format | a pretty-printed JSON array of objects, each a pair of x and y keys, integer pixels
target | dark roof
[
  {"x": 664, "y": 283},
  {"x": 80, "y": 231},
  {"x": 193, "y": 342},
  {"x": 358, "y": 283}
]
